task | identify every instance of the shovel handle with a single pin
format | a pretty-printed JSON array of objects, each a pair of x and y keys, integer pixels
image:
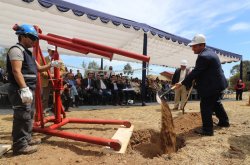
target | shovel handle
[
  {"x": 166, "y": 92},
  {"x": 189, "y": 93}
]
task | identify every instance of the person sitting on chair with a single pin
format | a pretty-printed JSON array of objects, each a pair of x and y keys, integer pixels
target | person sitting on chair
[
  {"x": 102, "y": 85},
  {"x": 88, "y": 86}
]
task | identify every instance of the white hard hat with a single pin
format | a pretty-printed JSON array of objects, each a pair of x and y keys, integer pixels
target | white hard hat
[
  {"x": 198, "y": 39},
  {"x": 183, "y": 62},
  {"x": 51, "y": 47}
]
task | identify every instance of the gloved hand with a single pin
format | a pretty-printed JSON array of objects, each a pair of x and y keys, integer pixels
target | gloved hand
[
  {"x": 57, "y": 64},
  {"x": 26, "y": 95}
]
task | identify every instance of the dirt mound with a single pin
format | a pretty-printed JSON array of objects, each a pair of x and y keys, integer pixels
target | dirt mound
[
  {"x": 187, "y": 122},
  {"x": 147, "y": 142}
]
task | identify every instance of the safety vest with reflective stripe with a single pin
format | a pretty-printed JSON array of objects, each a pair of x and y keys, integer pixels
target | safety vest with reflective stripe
[{"x": 29, "y": 69}]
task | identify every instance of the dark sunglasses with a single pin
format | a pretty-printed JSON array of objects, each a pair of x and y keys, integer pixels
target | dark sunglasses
[{"x": 33, "y": 38}]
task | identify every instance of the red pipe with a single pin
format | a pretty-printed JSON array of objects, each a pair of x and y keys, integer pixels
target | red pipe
[
  {"x": 59, "y": 37},
  {"x": 64, "y": 44},
  {"x": 57, "y": 86},
  {"x": 38, "y": 105},
  {"x": 58, "y": 125},
  {"x": 57, "y": 41},
  {"x": 113, "y": 143},
  {"x": 127, "y": 124},
  {"x": 71, "y": 47},
  {"x": 49, "y": 119},
  {"x": 113, "y": 50},
  {"x": 45, "y": 120}
]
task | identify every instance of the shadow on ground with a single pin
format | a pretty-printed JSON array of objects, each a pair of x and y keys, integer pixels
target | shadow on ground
[{"x": 239, "y": 147}]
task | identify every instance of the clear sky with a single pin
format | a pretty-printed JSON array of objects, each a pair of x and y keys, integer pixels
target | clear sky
[{"x": 226, "y": 23}]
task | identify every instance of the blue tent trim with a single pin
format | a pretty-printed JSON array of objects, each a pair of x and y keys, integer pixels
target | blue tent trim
[{"x": 63, "y": 6}]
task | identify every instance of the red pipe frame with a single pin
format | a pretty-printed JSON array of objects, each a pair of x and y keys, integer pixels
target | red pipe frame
[
  {"x": 58, "y": 41},
  {"x": 113, "y": 50},
  {"x": 85, "y": 47}
]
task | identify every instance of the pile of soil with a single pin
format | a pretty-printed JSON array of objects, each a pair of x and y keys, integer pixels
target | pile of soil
[{"x": 148, "y": 141}]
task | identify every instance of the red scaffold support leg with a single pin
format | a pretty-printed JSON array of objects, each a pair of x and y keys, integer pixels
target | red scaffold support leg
[
  {"x": 127, "y": 124},
  {"x": 112, "y": 143},
  {"x": 38, "y": 105},
  {"x": 45, "y": 120}
]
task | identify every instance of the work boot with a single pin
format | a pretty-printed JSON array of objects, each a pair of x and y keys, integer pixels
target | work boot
[
  {"x": 204, "y": 133},
  {"x": 225, "y": 124},
  {"x": 34, "y": 142},
  {"x": 25, "y": 150}
]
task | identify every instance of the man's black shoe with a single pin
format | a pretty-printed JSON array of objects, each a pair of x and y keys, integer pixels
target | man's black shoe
[
  {"x": 204, "y": 133},
  {"x": 223, "y": 124}
]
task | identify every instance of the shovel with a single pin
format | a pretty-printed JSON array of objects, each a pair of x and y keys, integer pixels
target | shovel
[
  {"x": 160, "y": 95},
  {"x": 189, "y": 93}
]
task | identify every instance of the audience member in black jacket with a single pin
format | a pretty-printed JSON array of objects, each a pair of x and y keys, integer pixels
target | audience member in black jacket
[
  {"x": 102, "y": 85},
  {"x": 88, "y": 86},
  {"x": 116, "y": 87}
]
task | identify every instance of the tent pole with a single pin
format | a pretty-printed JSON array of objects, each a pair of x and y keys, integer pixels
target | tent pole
[
  {"x": 144, "y": 65},
  {"x": 101, "y": 63}
]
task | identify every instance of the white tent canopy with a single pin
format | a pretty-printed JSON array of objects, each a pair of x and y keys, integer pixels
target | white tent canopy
[{"x": 69, "y": 20}]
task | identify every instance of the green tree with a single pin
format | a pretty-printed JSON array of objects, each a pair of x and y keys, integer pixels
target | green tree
[
  {"x": 128, "y": 69},
  {"x": 92, "y": 66},
  {"x": 235, "y": 71},
  {"x": 83, "y": 64}
]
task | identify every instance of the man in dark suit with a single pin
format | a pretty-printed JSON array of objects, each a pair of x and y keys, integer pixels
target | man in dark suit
[
  {"x": 210, "y": 81},
  {"x": 116, "y": 86},
  {"x": 102, "y": 85},
  {"x": 180, "y": 93},
  {"x": 88, "y": 86}
]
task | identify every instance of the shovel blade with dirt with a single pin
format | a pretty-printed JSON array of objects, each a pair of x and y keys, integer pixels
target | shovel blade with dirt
[{"x": 160, "y": 95}]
